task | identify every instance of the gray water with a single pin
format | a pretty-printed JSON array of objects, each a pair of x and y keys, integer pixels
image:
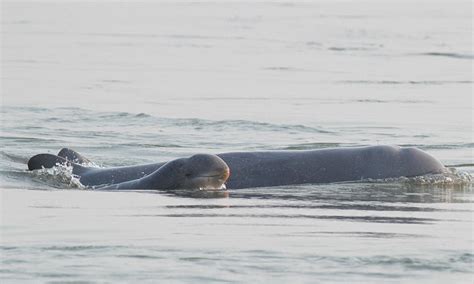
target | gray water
[{"x": 129, "y": 83}]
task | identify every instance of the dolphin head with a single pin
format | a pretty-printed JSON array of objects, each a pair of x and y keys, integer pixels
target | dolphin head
[{"x": 200, "y": 171}]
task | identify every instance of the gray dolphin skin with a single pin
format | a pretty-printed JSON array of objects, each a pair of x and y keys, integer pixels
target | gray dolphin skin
[
  {"x": 272, "y": 168},
  {"x": 73, "y": 156}
]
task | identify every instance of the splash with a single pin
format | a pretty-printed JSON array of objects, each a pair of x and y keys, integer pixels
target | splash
[
  {"x": 59, "y": 176},
  {"x": 222, "y": 187},
  {"x": 90, "y": 164},
  {"x": 450, "y": 178}
]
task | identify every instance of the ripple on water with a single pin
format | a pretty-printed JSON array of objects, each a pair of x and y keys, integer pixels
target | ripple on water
[{"x": 449, "y": 55}]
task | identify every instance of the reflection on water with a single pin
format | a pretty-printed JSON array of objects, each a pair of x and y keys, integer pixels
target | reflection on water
[
  {"x": 377, "y": 192},
  {"x": 323, "y": 231},
  {"x": 365, "y": 231}
]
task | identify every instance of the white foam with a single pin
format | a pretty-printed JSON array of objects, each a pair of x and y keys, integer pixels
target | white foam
[
  {"x": 451, "y": 177},
  {"x": 59, "y": 176}
]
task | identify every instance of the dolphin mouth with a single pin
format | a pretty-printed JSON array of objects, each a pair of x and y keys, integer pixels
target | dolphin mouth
[
  {"x": 214, "y": 180},
  {"x": 221, "y": 176}
]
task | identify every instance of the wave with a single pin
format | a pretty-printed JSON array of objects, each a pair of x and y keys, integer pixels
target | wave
[
  {"x": 339, "y": 206},
  {"x": 406, "y": 82},
  {"x": 311, "y": 146},
  {"x": 113, "y": 115},
  {"x": 29, "y": 139},
  {"x": 282, "y": 68},
  {"x": 451, "y": 261},
  {"x": 371, "y": 219},
  {"x": 14, "y": 158},
  {"x": 318, "y": 145},
  {"x": 462, "y": 262},
  {"x": 143, "y": 119},
  {"x": 448, "y": 54},
  {"x": 151, "y": 145},
  {"x": 351, "y": 48},
  {"x": 376, "y": 101},
  {"x": 440, "y": 146},
  {"x": 246, "y": 125}
]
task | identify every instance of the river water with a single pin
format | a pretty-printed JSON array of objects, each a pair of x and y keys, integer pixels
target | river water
[{"x": 139, "y": 82}]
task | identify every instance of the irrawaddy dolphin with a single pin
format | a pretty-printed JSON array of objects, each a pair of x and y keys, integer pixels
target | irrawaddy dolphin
[{"x": 253, "y": 169}]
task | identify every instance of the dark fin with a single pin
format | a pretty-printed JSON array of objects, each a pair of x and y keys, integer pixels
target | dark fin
[
  {"x": 45, "y": 161},
  {"x": 48, "y": 161},
  {"x": 73, "y": 156}
]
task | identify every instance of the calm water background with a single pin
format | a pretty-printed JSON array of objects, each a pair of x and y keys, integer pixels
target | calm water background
[{"x": 129, "y": 83}]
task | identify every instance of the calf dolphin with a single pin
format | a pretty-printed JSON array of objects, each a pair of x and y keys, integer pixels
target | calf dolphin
[
  {"x": 200, "y": 171},
  {"x": 275, "y": 168}
]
